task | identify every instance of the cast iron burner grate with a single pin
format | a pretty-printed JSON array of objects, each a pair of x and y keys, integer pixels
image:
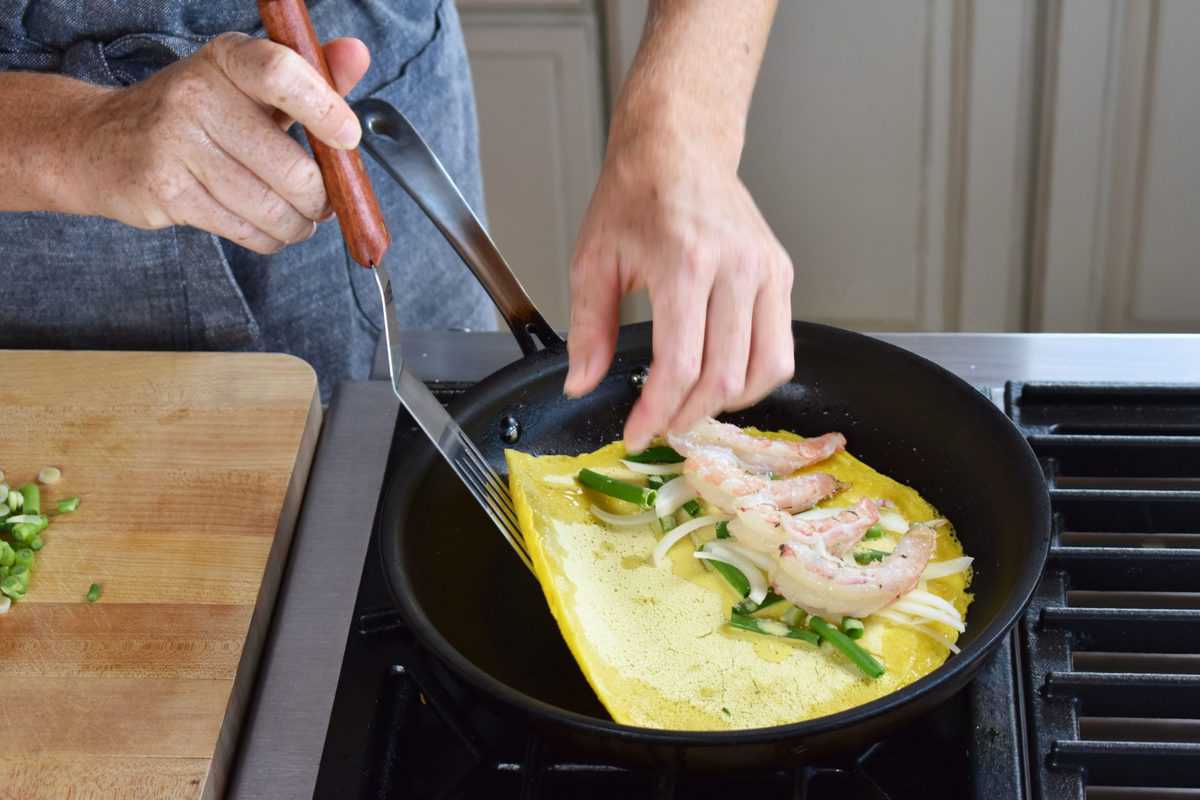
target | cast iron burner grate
[{"x": 1111, "y": 642}]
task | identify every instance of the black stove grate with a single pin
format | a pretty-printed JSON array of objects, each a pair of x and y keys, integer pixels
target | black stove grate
[{"x": 1111, "y": 642}]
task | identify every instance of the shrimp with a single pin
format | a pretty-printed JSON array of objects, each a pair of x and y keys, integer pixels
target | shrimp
[
  {"x": 821, "y": 583},
  {"x": 758, "y": 453},
  {"x": 765, "y": 528},
  {"x": 718, "y": 476}
]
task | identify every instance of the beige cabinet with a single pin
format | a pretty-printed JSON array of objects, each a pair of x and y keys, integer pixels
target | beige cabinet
[
  {"x": 928, "y": 164},
  {"x": 1119, "y": 213},
  {"x": 537, "y": 73}
]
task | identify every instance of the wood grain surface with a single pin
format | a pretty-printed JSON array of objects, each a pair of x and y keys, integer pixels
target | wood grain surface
[{"x": 191, "y": 467}]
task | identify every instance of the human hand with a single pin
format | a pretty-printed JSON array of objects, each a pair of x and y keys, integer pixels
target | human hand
[
  {"x": 203, "y": 142},
  {"x": 670, "y": 216}
]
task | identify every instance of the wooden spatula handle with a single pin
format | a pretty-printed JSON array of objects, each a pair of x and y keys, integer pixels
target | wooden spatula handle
[{"x": 346, "y": 182}]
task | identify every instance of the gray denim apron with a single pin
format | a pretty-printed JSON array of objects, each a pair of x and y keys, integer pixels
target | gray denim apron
[{"x": 86, "y": 282}]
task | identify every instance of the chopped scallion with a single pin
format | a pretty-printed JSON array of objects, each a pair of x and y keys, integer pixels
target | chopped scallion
[
  {"x": 638, "y": 495},
  {"x": 874, "y": 532},
  {"x": 861, "y": 658},
  {"x": 722, "y": 530},
  {"x": 93, "y": 593},
  {"x": 656, "y": 455},
  {"x": 771, "y": 627},
  {"x": 692, "y": 507},
  {"x": 68, "y": 505},
  {"x": 853, "y": 628},
  {"x": 870, "y": 556}
]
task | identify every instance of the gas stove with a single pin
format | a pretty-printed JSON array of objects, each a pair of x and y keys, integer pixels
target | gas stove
[{"x": 1096, "y": 692}]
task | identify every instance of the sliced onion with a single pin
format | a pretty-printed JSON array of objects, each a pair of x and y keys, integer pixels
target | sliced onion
[
  {"x": 891, "y": 521},
  {"x": 941, "y": 569},
  {"x": 653, "y": 469},
  {"x": 933, "y": 600},
  {"x": 717, "y": 551},
  {"x": 925, "y": 612},
  {"x": 624, "y": 520},
  {"x": 559, "y": 480},
  {"x": 818, "y": 513},
  {"x": 675, "y": 534},
  {"x": 760, "y": 560},
  {"x": 905, "y": 622},
  {"x": 672, "y": 496}
]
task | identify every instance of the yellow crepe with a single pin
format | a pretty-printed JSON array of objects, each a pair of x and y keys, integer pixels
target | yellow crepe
[{"x": 653, "y": 642}]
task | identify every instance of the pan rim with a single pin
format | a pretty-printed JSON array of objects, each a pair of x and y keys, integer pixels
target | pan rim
[{"x": 957, "y": 670}]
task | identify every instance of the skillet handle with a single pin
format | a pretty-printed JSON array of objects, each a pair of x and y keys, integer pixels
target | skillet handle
[{"x": 392, "y": 140}]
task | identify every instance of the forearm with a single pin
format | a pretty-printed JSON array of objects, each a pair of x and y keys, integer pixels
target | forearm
[
  {"x": 39, "y": 122},
  {"x": 694, "y": 74}
]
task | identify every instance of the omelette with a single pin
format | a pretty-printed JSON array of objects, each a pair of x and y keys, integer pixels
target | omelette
[{"x": 654, "y": 640}]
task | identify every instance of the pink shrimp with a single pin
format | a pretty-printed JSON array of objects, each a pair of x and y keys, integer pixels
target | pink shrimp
[
  {"x": 718, "y": 476},
  {"x": 821, "y": 583},
  {"x": 765, "y": 528},
  {"x": 757, "y": 453}
]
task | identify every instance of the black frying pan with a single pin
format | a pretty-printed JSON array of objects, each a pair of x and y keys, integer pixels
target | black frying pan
[{"x": 478, "y": 610}]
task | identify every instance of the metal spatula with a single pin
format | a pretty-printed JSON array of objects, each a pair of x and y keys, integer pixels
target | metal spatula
[{"x": 350, "y": 193}]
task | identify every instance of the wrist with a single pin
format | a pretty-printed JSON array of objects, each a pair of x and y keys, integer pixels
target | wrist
[
  {"x": 75, "y": 154},
  {"x": 676, "y": 127}
]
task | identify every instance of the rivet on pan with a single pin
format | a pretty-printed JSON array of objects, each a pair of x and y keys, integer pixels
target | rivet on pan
[
  {"x": 637, "y": 378},
  {"x": 510, "y": 430}
]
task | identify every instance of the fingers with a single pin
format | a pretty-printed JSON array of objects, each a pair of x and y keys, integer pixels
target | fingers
[
  {"x": 240, "y": 127},
  {"x": 679, "y": 304},
  {"x": 246, "y": 196},
  {"x": 279, "y": 77},
  {"x": 595, "y": 317},
  {"x": 727, "y": 339},
  {"x": 204, "y": 212},
  {"x": 348, "y": 61},
  {"x": 772, "y": 351}
]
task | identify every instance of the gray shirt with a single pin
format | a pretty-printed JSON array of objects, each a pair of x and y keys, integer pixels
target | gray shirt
[{"x": 86, "y": 282}]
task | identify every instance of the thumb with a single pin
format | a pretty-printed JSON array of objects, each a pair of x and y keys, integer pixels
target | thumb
[{"x": 595, "y": 317}]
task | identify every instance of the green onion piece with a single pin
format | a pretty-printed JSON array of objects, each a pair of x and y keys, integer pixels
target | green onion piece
[
  {"x": 722, "y": 530},
  {"x": 874, "y": 532},
  {"x": 93, "y": 593},
  {"x": 68, "y": 505},
  {"x": 31, "y": 498},
  {"x": 36, "y": 542},
  {"x": 870, "y": 556},
  {"x": 15, "y": 499},
  {"x": 667, "y": 524},
  {"x": 656, "y": 455},
  {"x": 726, "y": 710},
  {"x": 638, "y": 495},
  {"x": 746, "y": 607},
  {"x": 24, "y": 556},
  {"x": 853, "y": 627},
  {"x": 771, "y": 627},
  {"x": 794, "y": 616},
  {"x": 692, "y": 508},
  {"x": 11, "y": 587},
  {"x": 861, "y": 658},
  {"x": 4, "y": 509},
  {"x": 655, "y": 482},
  {"x": 7, "y": 554},
  {"x": 732, "y": 575}
]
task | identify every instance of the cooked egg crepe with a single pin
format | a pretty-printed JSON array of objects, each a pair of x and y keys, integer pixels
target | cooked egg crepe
[{"x": 654, "y": 642}]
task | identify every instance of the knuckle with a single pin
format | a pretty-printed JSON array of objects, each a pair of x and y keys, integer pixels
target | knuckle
[
  {"x": 729, "y": 384},
  {"x": 303, "y": 178},
  {"x": 683, "y": 369}
]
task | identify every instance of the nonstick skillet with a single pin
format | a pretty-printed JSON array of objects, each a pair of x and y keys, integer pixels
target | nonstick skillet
[{"x": 484, "y": 618}]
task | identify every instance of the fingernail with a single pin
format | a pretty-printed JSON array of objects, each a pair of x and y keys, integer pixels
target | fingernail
[{"x": 348, "y": 135}]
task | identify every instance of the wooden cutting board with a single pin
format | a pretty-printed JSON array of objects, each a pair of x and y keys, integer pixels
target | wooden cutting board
[{"x": 191, "y": 467}]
